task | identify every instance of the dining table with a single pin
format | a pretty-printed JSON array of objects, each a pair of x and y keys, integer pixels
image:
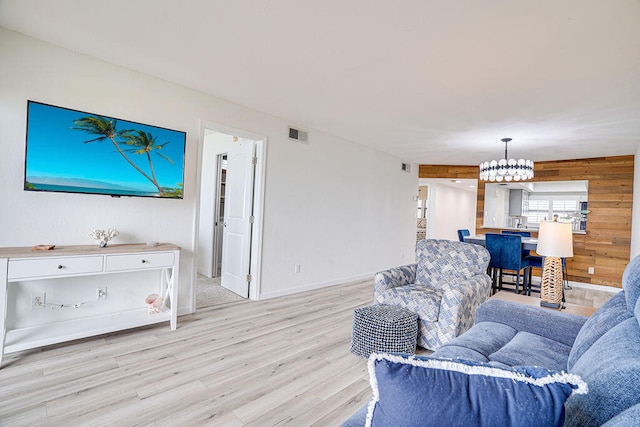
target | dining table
[{"x": 528, "y": 244}]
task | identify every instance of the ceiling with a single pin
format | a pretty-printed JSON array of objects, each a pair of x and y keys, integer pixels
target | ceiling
[{"x": 433, "y": 82}]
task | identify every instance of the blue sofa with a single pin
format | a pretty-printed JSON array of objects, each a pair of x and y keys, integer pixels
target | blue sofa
[{"x": 603, "y": 350}]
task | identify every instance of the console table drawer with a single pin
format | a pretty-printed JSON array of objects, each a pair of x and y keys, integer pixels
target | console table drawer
[
  {"x": 142, "y": 261},
  {"x": 44, "y": 267}
]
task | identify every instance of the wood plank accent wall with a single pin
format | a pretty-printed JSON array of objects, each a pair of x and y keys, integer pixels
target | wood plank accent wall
[{"x": 607, "y": 244}]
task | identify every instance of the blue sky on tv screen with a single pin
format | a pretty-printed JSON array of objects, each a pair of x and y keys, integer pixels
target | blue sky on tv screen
[{"x": 58, "y": 155}]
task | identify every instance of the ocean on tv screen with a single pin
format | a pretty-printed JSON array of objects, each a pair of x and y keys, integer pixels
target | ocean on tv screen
[{"x": 85, "y": 186}]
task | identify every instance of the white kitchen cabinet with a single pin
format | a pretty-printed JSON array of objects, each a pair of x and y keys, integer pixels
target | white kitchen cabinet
[{"x": 518, "y": 202}]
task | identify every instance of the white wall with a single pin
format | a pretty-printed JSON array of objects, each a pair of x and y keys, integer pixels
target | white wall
[
  {"x": 502, "y": 207},
  {"x": 496, "y": 202},
  {"x": 490, "y": 208},
  {"x": 340, "y": 210},
  {"x": 450, "y": 209}
]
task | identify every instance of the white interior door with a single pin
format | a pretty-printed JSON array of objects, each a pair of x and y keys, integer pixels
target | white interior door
[{"x": 236, "y": 239}]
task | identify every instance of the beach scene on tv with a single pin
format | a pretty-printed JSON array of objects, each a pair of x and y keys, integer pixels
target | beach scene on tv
[{"x": 77, "y": 152}]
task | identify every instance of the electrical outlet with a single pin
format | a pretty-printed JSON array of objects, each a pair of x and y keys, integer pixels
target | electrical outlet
[
  {"x": 101, "y": 293},
  {"x": 591, "y": 270},
  {"x": 38, "y": 301}
]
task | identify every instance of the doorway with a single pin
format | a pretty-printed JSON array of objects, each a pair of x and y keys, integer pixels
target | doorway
[
  {"x": 450, "y": 205},
  {"x": 218, "y": 213},
  {"x": 423, "y": 211},
  {"x": 230, "y": 216}
]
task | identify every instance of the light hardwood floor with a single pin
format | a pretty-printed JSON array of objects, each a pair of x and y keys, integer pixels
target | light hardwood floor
[
  {"x": 283, "y": 361},
  {"x": 586, "y": 296}
]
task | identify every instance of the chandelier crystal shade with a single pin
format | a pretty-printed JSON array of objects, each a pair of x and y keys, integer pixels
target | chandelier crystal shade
[{"x": 506, "y": 169}]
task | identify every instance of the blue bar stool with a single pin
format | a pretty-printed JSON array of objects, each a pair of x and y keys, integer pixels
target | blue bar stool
[
  {"x": 494, "y": 248},
  {"x": 506, "y": 256},
  {"x": 534, "y": 261},
  {"x": 462, "y": 234}
]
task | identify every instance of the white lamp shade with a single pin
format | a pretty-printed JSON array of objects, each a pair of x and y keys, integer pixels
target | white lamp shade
[{"x": 555, "y": 239}]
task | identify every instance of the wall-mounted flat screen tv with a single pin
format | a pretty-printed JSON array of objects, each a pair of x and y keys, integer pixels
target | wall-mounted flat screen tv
[{"x": 73, "y": 151}]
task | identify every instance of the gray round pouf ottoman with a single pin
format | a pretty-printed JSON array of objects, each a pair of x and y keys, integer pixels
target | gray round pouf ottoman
[{"x": 383, "y": 328}]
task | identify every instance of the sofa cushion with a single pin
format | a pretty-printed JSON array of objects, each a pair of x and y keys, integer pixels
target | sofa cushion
[
  {"x": 532, "y": 319},
  {"x": 413, "y": 390},
  {"x": 606, "y": 317},
  {"x": 611, "y": 367},
  {"x": 483, "y": 339},
  {"x": 531, "y": 349},
  {"x": 455, "y": 352},
  {"x": 459, "y": 352},
  {"x": 628, "y": 417}
]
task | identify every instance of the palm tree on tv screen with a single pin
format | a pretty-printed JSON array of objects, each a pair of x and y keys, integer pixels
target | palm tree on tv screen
[{"x": 143, "y": 142}]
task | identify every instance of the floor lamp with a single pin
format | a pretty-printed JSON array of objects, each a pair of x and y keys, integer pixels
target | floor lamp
[{"x": 555, "y": 241}]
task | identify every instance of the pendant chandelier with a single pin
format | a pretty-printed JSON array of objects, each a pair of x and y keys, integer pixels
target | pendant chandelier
[{"x": 506, "y": 169}]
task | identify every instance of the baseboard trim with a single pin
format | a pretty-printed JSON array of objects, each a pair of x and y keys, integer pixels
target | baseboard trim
[
  {"x": 319, "y": 285},
  {"x": 593, "y": 287}
]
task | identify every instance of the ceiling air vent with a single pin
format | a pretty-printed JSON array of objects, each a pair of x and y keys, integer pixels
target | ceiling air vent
[
  {"x": 406, "y": 167},
  {"x": 298, "y": 135}
]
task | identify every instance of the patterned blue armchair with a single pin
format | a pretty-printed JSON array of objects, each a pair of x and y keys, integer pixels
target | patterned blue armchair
[{"x": 444, "y": 287}]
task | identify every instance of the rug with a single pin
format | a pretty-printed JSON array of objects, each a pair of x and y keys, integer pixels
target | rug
[{"x": 210, "y": 293}]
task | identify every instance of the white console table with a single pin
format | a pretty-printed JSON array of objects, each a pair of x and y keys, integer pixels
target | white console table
[{"x": 21, "y": 264}]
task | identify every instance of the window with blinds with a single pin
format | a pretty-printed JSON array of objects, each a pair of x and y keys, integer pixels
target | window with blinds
[
  {"x": 538, "y": 211},
  {"x": 564, "y": 207},
  {"x": 545, "y": 209}
]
